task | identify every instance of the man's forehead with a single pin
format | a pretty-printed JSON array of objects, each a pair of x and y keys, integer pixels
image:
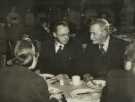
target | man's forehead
[
  {"x": 96, "y": 27},
  {"x": 62, "y": 29}
]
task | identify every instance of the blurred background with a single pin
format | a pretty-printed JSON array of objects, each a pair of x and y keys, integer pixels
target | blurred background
[{"x": 122, "y": 12}]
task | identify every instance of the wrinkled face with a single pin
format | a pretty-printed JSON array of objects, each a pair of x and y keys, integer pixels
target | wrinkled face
[
  {"x": 62, "y": 34},
  {"x": 97, "y": 34}
]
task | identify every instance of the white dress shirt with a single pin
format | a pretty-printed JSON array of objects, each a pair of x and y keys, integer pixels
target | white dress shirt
[
  {"x": 106, "y": 44},
  {"x": 57, "y": 46}
]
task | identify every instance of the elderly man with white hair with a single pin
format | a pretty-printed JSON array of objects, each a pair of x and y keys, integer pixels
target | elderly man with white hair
[{"x": 104, "y": 52}]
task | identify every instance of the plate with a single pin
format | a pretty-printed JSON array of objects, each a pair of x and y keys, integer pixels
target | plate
[
  {"x": 53, "y": 90},
  {"x": 83, "y": 91},
  {"x": 97, "y": 84}
]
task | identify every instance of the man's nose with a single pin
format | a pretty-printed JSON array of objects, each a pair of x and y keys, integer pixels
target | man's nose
[{"x": 91, "y": 36}]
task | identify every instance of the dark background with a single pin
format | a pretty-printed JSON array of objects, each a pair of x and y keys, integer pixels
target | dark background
[{"x": 121, "y": 11}]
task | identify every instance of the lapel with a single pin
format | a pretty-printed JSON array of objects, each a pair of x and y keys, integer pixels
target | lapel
[
  {"x": 67, "y": 52},
  {"x": 111, "y": 46}
]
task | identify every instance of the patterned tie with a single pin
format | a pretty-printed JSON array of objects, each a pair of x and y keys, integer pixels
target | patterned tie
[{"x": 101, "y": 48}]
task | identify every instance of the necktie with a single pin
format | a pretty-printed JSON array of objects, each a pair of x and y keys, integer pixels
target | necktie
[
  {"x": 59, "y": 50},
  {"x": 101, "y": 48}
]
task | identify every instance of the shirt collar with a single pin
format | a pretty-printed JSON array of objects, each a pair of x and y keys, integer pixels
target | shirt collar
[
  {"x": 106, "y": 44},
  {"x": 57, "y": 45}
]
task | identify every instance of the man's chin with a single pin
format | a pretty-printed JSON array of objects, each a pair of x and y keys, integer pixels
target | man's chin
[{"x": 94, "y": 42}]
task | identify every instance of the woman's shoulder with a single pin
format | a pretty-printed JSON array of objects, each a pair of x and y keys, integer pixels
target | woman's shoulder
[{"x": 119, "y": 74}]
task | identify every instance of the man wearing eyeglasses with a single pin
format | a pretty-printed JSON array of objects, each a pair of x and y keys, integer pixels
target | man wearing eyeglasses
[{"x": 59, "y": 55}]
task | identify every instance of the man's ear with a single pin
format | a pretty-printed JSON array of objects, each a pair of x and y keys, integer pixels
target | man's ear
[{"x": 54, "y": 34}]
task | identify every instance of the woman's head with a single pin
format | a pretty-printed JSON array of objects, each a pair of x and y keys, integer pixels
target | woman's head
[
  {"x": 130, "y": 57},
  {"x": 25, "y": 53},
  {"x": 24, "y": 47}
]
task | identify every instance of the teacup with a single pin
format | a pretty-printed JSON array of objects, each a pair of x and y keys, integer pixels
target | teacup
[{"x": 76, "y": 80}]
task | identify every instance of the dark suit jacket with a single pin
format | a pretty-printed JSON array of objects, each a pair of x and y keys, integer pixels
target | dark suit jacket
[
  {"x": 18, "y": 84},
  {"x": 50, "y": 62},
  {"x": 120, "y": 87},
  {"x": 97, "y": 64}
]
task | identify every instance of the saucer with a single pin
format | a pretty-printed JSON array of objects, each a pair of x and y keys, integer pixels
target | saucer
[{"x": 81, "y": 92}]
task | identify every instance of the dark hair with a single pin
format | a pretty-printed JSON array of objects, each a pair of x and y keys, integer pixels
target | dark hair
[
  {"x": 106, "y": 15},
  {"x": 58, "y": 23},
  {"x": 24, "y": 51}
]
